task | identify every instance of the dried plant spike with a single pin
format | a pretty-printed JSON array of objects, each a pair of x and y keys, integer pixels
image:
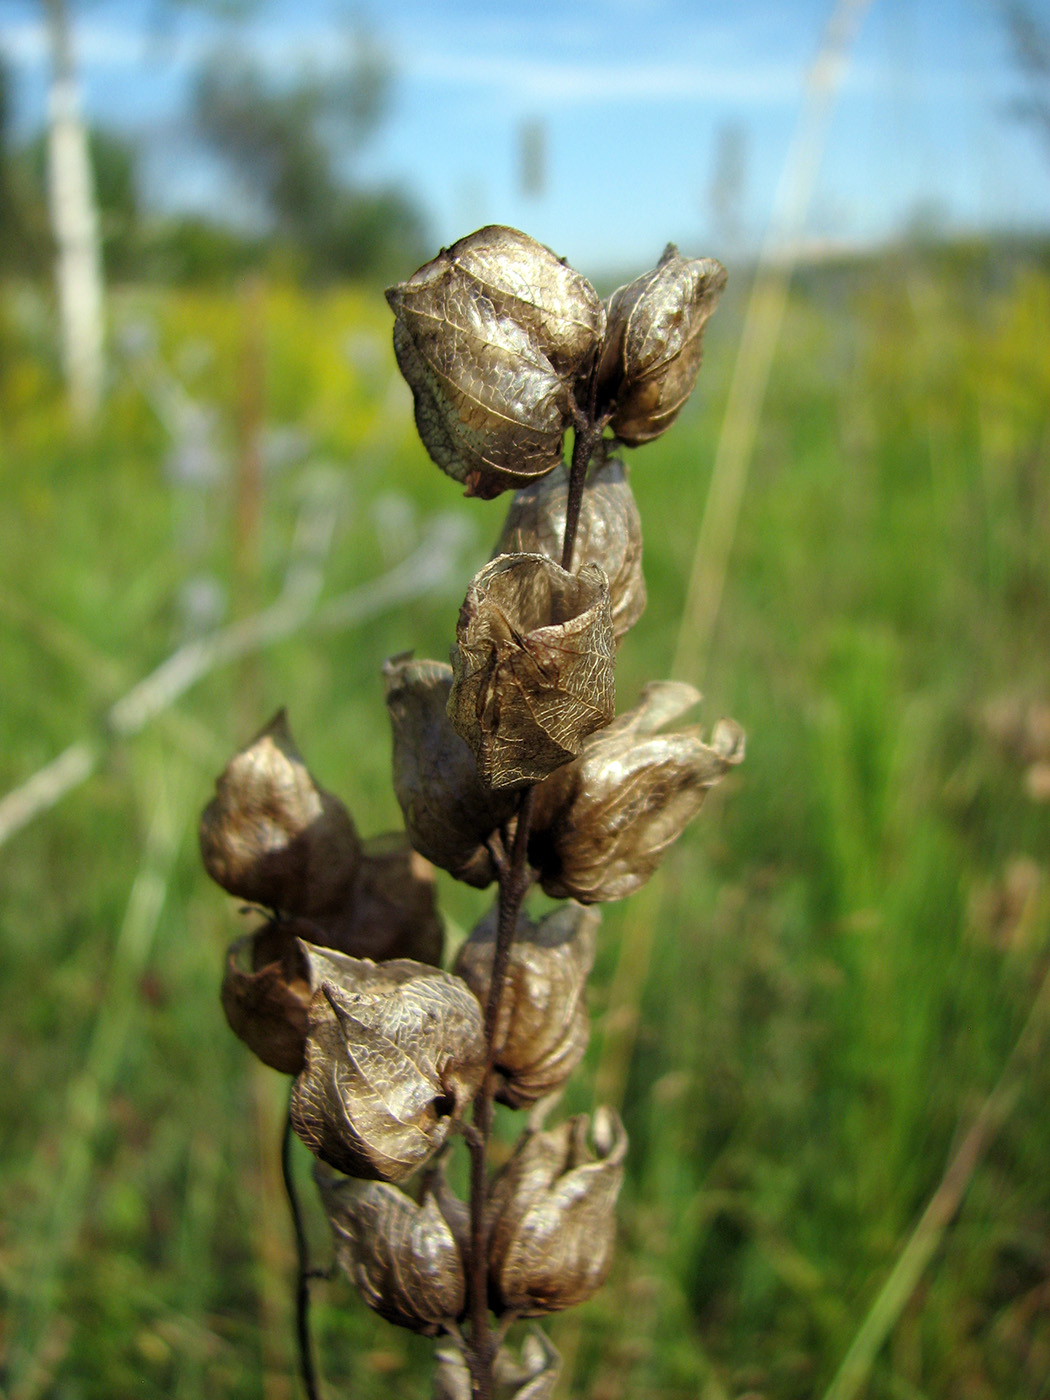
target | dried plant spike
[
  {"x": 532, "y": 668},
  {"x": 266, "y": 994},
  {"x": 611, "y": 817},
  {"x": 490, "y": 337},
  {"x": 543, "y": 1026},
  {"x": 274, "y": 837},
  {"x": 609, "y": 532},
  {"x": 552, "y": 1216},
  {"x": 401, "y": 1255},
  {"x": 449, "y": 812},
  {"x": 394, "y": 1053},
  {"x": 654, "y": 344}
]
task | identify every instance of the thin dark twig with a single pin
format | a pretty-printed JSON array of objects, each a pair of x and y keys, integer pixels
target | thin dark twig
[{"x": 303, "y": 1272}]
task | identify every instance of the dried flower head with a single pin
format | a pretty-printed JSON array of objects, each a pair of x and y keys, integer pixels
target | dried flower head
[
  {"x": 542, "y": 1030},
  {"x": 603, "y": 824},
  {"x": 449, "y": 812},
  {"x": 491, "y": 336},
  {"x": 609, "y": 532},
  {"x": 654, "y": 343},
  {"x": 272, "y": 835},
  {"x": 533, "y": 666},
  {"x": 401, "y": 1255},
  {"x": 552, "y": 1216},
  {"x": 395, "y": 1051}
]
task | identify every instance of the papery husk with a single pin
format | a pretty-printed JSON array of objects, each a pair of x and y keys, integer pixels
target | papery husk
[
  {"x": 609, "y": 532},
  {"x": 401, "y": 1256},
  {"x": 534, "y": 1377},
  {"x": 551, "y": 1213},
  {"x": 266, "y": 993},
  {"x": 449, "y": 812},
  {"x": 543, "y": 1027},
  {"x": 654, "y": 344},
  {"x": 272, "y": 836},
  {"x": 394, "y": 1054},
  {"x": 532, "y": 666},
  {"x": 490, "y": 337},
  {"x": 392, "y": 909},
  {"x": 603, "y": 825}
]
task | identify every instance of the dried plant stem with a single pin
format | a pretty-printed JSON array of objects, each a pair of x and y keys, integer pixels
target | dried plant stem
[
  {"x": 583, "y": 446},
  {"x": 303, "y": 1271},
  {"x": 588, "y": 434},
  {"x": 513, "y": 884}
]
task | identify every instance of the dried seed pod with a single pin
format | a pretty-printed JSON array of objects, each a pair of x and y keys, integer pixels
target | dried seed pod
[
  {"x": 449, "y": 812},
  {"x": 490, "y": 336},
  {"x": 532, "y": 1378},
  {"x": 604, "y": 824},
  {"x": 552, "y": 1216},
  {"x": 401, "y": 1256},
  {"x": 654, "y": 344},
  {"x": 393, "y": 1055},
  {"x": 609, "y": 532},
  {"x": 266, "y": 993},
  {"x": 391, "y": 911},
  {"x": 543, "y": 1027},
  {"x": 272, "y": 836},
  {"x": 533, "y": 666}
]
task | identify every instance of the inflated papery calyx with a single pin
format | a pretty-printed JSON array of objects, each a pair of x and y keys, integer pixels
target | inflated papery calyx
[
  {"x": 602, "y": 825},
  {"x": 390, "y": 912},
  {"x": 394, "y": 1053},
  {"x": 532, "y": 1378},
  {"x": 609, "y": 532},
  {"x": 654, "y": 344},
  {"x": 273, "y": 836},
  {"x": 532, "y": 666},
  {"x": 449, "y": 812},
  {"x": 402, "y": 1256},
  {"x": 552, "y": 1216},
  {"x": 491, "y": 336},
  {"x": 543, "y": 1027}
]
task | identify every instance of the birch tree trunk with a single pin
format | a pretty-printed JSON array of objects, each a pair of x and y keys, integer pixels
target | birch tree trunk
[{"x": 75, "y": 224}]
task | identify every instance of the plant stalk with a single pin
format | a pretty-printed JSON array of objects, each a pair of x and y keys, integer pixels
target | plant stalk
[
  {"x": 513, "y": 883},
  {"x": 303, "y": 1273}
]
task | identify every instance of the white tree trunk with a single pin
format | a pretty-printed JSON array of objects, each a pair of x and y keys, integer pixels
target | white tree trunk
[{"x": 75, "y": 224}]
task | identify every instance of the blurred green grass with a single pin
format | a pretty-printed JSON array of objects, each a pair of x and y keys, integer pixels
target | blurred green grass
[{"x": 844, "y": 948}]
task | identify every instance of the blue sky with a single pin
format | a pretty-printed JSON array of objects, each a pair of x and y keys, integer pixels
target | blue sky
[{"x": 636, "y": 99}]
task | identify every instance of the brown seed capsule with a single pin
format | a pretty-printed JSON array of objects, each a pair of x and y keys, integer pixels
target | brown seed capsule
[
  {"x": 401, "y": 1256},
  {"x": 552, "y": 1216},
  {"x": 394, "y": 1053},
  {"x": 391, "y": 911},
  {"x": 609, "y": 532},
  {"x": 603, "y": 825},
  {"x": 532, "y": 1378},
  {"x": 543, "y": 1027},
  {"x": 266, "y": 993},
  {"x": 449, "y": 812},
  {"x": 272, "y": 836},
  {"x": 532, "y": 667},
  {"x": 490, "y": 337},
  {"x": 654, "y": 344}
]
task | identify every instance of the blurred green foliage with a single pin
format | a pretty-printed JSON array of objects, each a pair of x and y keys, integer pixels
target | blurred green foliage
[{"x": 844, "y": 947}]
